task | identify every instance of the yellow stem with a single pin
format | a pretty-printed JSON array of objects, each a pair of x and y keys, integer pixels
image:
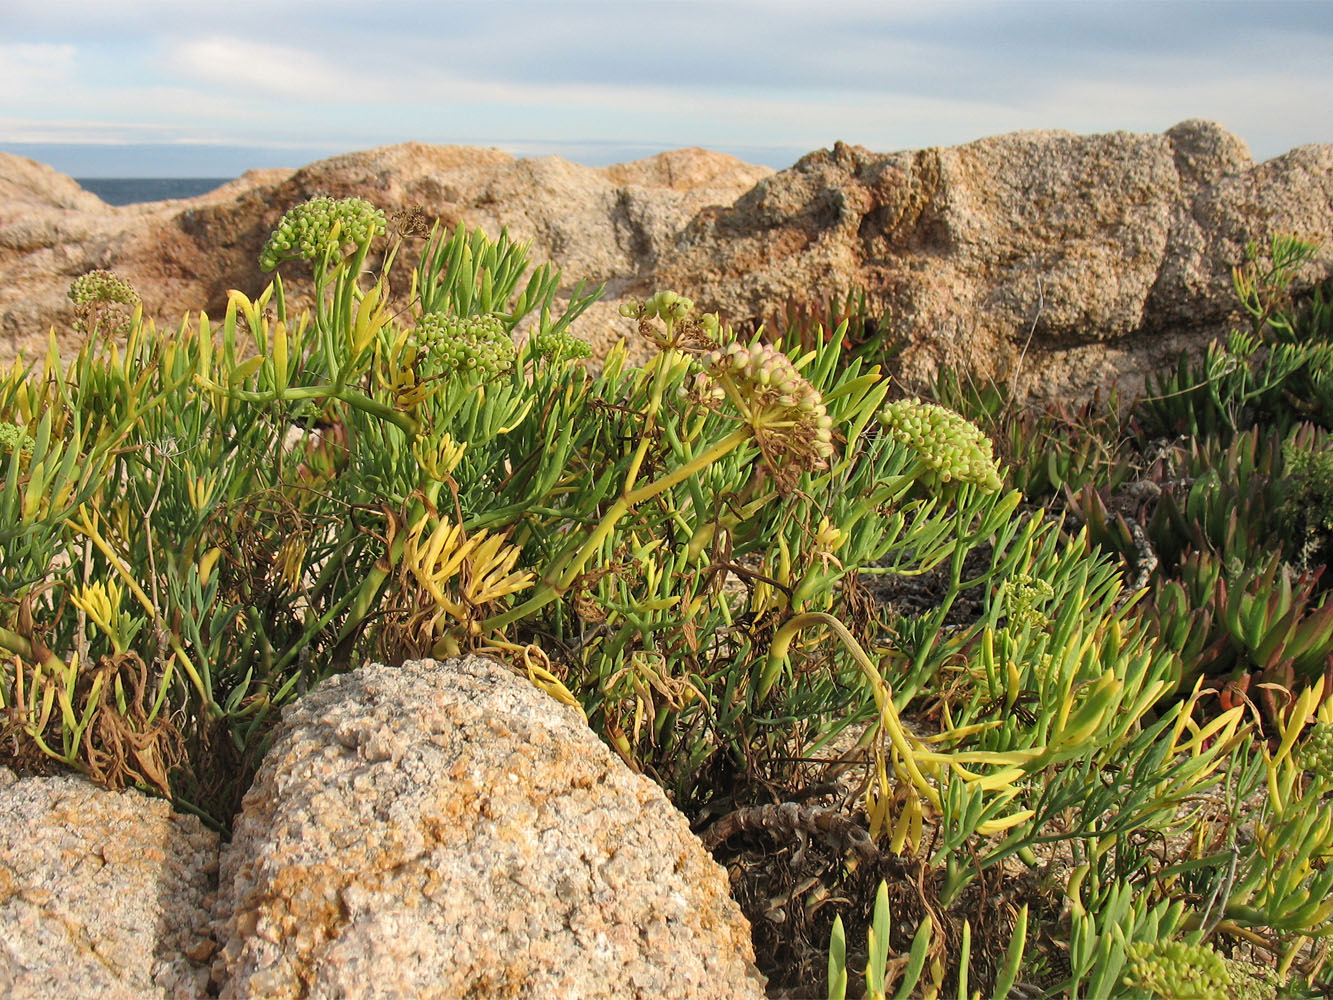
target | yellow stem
[{"x": 888, "y": 714}]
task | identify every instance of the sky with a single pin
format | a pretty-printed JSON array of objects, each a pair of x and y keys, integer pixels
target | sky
[{"x": 174, "y": 88}]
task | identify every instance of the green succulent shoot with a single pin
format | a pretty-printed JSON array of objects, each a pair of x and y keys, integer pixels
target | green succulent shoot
[
  {"x": 319, "y": 226},
  {"x": 948, "y": 447},
  {"x": 474, "y": 346},
  {"x": 1174, "y": 969}
]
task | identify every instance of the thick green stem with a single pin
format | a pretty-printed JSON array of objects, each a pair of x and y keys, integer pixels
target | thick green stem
[
  {"x": 294, "y": 394},
  {"x": 15, "y": 643}
]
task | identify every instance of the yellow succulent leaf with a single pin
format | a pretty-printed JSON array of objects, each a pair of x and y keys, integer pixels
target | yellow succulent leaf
[
  {"x": 996, "y": 826},
  {"x": 244, "y": 370},
  {"x": 207, "y": 563}
]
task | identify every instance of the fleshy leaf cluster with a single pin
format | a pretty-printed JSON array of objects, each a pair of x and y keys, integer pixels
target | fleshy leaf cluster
[
  {"x": 464, "y": 344},
  {"x": 319, "y": 226},
  {"x": 951, "y": 448}
]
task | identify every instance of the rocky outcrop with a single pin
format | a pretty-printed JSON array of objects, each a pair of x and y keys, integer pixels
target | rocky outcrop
[
  {"x": 436, "y": 829},
  {"x": 1061, "y": 260},
  {"x": 596, "y": 224},
  {"x": 1092, "y": 254},
  {"x": 449, "y": 830},
  {"x": 102, "y": 894}
]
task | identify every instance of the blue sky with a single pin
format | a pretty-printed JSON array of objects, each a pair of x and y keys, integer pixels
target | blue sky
[{"x": 179, "y": 88}]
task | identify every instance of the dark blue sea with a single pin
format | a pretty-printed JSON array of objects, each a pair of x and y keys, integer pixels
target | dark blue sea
[{"x": 131, "y": 190}]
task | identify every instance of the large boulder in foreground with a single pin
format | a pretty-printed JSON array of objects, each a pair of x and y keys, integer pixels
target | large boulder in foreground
[
  {"x": 449, "y": 830},
  {"x": 102, "y": 894}
]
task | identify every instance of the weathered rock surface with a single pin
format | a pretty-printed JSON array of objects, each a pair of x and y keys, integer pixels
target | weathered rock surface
[
  {"x": 429, "y": 830},
  {"x": 1069, "y": 259},
  {"x": 596, "y": 224},
  {"x": 448, "y": 830},
  {"x": 101, "y": 894},
  {"x": 1096, "y": 253}
]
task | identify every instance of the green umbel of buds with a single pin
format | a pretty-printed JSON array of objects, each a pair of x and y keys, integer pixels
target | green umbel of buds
[
  {"x": 559, "y": 347},
  {"x": 471, "y": 345},
  {"x": 951, "y": 448},
  {"x": 319, "y": 226},
  {"x": 14, "y": 438},
  {"x": 1023, "y": 597},
  {"x": 102, "y": 286},
  {"x": 1174, "y": 969},
  {"x": 786, "y": 413},
  {"x": 1316, "y": 754}
]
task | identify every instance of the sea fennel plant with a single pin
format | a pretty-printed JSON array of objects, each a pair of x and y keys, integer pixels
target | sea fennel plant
[{"x": 198, "y": 525}]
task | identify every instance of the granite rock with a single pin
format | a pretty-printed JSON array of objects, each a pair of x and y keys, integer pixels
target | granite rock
[
  {"x": 1060, "y": 261},
  {"x": 446, "y": 829},
  {"x": 1065, "y": 260},
  {"x": 102, "y": 894}
]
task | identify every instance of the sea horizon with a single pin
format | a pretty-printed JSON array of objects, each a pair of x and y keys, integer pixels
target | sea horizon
[{"x": 137, "y": 190}]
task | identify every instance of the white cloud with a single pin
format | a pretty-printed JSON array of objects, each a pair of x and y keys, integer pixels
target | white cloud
[
  {"x": 275, "y": 70},
  {"x": 26, "y": 69},
  {"x": 554, "y": 75}
]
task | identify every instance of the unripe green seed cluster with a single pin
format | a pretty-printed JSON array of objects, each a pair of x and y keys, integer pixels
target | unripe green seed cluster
[
  {"x": 701, "y": 390},
  {"x": 14, "y": 438},
  {"x": 1252, "y": 982},
  {"x": 951, "y": 447},
  {"x": 102, "y": 286},
  {"x": 560, "y": 347},
  {"x": 666, "y": 306},
  {"x": 307, "y": 231},
  {"x": 1173, "y": 969},
  {"x": 1316, "y": 754},
  {"x": 466, "y": 344}
]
